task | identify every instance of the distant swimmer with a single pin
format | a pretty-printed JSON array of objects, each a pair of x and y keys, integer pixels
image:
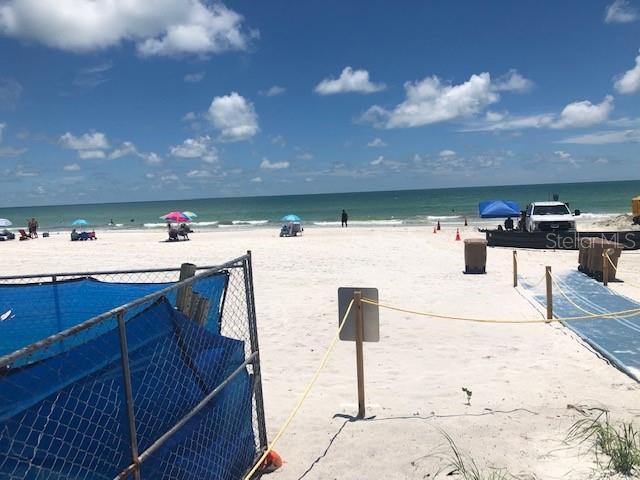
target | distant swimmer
[
  {"x": 344, "y": 218},
  {"x": 111, "y": 222}
]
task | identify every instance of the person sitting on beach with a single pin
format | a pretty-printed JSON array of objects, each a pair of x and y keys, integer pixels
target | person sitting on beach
[
  {"x": 508, "y": 224},
  {"x": 74, "y": 235}
]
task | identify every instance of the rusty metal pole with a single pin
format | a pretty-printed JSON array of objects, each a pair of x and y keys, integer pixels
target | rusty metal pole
[
  {"x": 357, "y": 297},
  {"x": 549, "y": 294}
]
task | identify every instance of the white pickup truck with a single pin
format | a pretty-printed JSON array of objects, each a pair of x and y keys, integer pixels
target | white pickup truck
[{"x": 549, "y": 216}]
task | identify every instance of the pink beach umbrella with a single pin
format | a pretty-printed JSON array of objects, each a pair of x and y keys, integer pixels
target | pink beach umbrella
[{"x": 177, "y": 217}]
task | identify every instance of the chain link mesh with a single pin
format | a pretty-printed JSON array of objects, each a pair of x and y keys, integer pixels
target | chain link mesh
[{"x": 194, "y": 406}]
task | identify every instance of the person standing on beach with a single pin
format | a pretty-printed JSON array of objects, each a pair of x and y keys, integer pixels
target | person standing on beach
[{"x": 344, "y": 218}]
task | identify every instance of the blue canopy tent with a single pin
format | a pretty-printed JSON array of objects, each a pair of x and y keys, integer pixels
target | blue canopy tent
[{"x": 498, "y": 209}]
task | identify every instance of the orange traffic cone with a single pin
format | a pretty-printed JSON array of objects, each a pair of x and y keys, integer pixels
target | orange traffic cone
[{"x": 457, "y": 234}]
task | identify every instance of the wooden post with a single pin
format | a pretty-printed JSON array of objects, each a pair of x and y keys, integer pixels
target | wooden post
[
  {"x": 357, "y": 297},
  {"x": 184, "y": 293},
  {"x": 515, "y": 268},
  {"x": 605, "y": 268},
  {"x": 549, "y": 294}
]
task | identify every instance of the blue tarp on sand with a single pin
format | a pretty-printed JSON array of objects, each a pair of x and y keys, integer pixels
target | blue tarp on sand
[
  {"x": 36, "y": 311},
  {"x": 617, "y": 338},
  {"x": 498, "y": 209},
  {"x": 65, "y": 417}
]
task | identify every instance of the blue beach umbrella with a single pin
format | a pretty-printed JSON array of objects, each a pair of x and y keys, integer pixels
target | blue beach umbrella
[
  {"x": 80, "y": 221},
  {"x": 291, "y": 218}
]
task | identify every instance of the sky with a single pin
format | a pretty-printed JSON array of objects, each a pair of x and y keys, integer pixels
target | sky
[{"x": 125, "y": 100}]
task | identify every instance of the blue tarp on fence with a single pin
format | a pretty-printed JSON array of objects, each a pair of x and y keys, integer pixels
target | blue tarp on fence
[
  {"x": 616, "y": 337},
  {"x": 36, "y": 311},
  {"x": 65, "y": 416}
]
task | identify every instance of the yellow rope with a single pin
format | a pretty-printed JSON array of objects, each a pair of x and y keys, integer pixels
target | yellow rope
[
  {"x": 555, "y": 282},
  {"x": 617, "y": 270},
  {"x": 635, "y": 311},
  {"x": 310, "y": 385}
]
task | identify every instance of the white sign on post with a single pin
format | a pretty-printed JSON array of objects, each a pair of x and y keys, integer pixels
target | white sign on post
[{"x": 370, "y": 314}]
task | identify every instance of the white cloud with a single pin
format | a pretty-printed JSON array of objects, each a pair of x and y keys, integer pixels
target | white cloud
[
  {"x": 584, "y": 114},
  {"x": 621, "y": 11},
  {"x": 267, "y": 165},
  {"x": 170, "y": 177},
  {"x": 194, "y": 77},
  {"x": 279, "y": 140},
  {"x": 91, "y": 77},
  {"x": 2, "y": 127},
  {"x": 87, "y": 141},
  {"x": 72, "y": 167},
  {"x": 376, "y": 142},
  {"x": 349, "y": 81},
  {"x": 127, "y": 148},
  {"x": 161, "y": 27},
  {"x": 273, "y": 91},
  {"x": 447, "y": 153},
  {"x": 150, "y": 175},
  {"x": 544, "y": 120},
  {"x": 605, "y": 137},
  {"x": 85, "y": 154},
  {"x": 199, "y": 174},
  {"x": 574, "y": 115},
  {"x": 234, "y": 116},
  {"x": 304, "y": 156},
  {"x": 562, "y": 154},
  {"x": 429, "y": 101},
  {"x": 200, "y": 147},
  {"x": 377, "y": 161},
  {"x": 189, "y": 117},
  {"x": 513, "y": 82},
  {"x": 22, "y": 171},
  {"x": 152, "y": 158},
  {"x": 494, "y": 116},
  {"x": 256, "y": 180},
  {"x": 629, "y": 81}
]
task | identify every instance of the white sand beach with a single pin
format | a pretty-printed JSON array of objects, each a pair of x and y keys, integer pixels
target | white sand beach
[{"x": 528, "y": 381}]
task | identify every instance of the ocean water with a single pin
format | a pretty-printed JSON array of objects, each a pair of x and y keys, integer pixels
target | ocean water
[{"x": 392, "y": 208}]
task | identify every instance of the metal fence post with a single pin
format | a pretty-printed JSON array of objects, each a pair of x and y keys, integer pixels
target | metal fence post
[
  {"x": 126, "y": 377},
  {"x": 515, "y": 268},
  {"x": 247, "y": 268}
]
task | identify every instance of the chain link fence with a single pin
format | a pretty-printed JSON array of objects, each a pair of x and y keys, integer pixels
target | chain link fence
[{"x": 141, "y": 374}]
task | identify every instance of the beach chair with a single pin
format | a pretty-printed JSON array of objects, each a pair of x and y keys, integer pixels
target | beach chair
[
  {"x": 92, "y": 236},
  {"x": 7, "y": 235},
  {"x": 173, "y": 235},
  {"x": 183, "y": 232},
  {"x": 23, "y": 235}
]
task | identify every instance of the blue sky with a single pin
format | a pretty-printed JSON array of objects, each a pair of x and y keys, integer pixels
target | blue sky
[{"x": 114, "y": 100}]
